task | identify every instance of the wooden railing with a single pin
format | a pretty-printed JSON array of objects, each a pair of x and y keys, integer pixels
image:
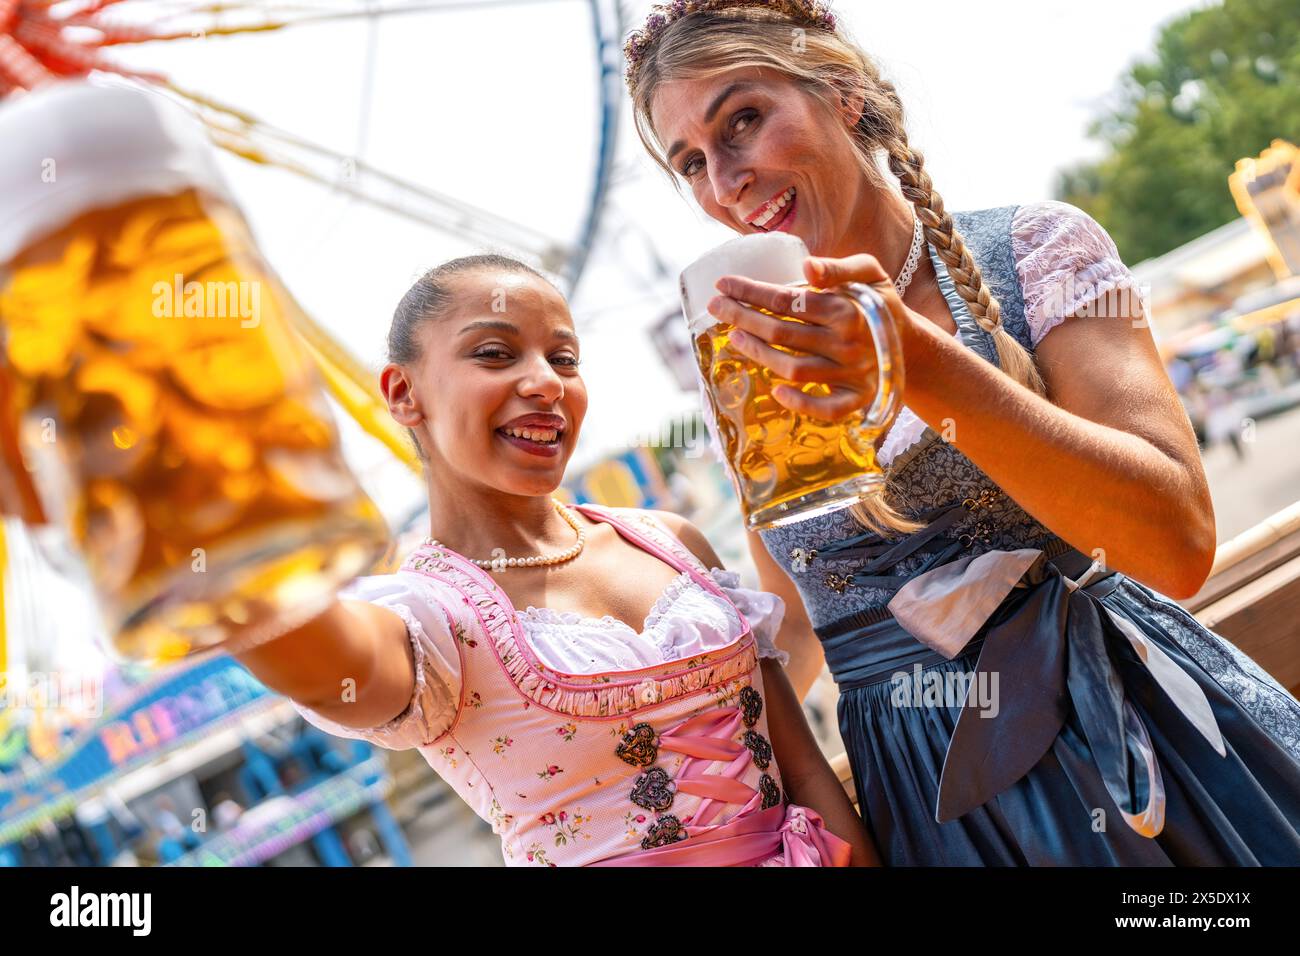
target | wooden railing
[
  {"x": 1253, "y": 595},
  {"x": 1252, "y": 598}
]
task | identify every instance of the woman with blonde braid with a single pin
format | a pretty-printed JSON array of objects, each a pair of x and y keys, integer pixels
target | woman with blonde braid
[{"x": 1017, "y": 686}]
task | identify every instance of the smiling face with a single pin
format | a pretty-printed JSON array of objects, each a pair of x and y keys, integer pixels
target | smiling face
[
  {"x": 495, "y": 395},
  {"x": 760, "y": 153}
]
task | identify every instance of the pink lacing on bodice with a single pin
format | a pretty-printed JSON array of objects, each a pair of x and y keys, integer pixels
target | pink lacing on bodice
[
  {"x": 703, "y": 740},
  {"x": 762, "y": 832}
]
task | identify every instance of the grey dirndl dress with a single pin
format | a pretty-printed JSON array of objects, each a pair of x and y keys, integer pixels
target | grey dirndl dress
[{"x": 1036, "y": 710}]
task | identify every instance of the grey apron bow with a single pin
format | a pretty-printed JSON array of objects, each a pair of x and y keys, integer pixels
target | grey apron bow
[{"x": 1049, "y": 650}]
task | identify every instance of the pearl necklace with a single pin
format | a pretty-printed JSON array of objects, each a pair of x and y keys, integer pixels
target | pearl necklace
[
  {"x": 501, "y": 562},
  {"x": 913, "y": 258}
]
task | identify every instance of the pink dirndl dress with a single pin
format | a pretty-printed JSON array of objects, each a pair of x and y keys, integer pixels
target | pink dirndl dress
[{"x": 662, "y": 759}]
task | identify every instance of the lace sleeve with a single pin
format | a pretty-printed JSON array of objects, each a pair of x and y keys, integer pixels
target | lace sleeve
[
  {"x": 436, "y": 697},
  {"x": 1065, "y": 260},
  {"x": 763, "y": 610}
]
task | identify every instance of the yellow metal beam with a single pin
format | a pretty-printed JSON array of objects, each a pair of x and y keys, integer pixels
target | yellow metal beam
[
  {"x": 354, "y": 387},
  {"x": 1280, "y": 153}
]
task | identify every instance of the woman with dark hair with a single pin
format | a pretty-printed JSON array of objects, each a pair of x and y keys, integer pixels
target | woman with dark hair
[
  {"x": 582, "y": 738},
  {"x": 1017, "y": 685}
]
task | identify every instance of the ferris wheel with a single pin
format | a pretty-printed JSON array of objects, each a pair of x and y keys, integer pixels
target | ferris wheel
[
  {"x": 44, "y": 40},
  {"x": 188, "y": 50},
  {"x": 336, "y": 79}
]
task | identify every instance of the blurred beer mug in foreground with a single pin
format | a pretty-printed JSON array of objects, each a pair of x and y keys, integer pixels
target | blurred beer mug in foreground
[
  {"x": 787, "y": 466},
  {"x": 154, "y": 387}
]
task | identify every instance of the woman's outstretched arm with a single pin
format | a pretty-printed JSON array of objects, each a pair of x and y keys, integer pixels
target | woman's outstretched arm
[
  {"x": 352, "y": 664},
  {"x": 1108, "y": 460}
]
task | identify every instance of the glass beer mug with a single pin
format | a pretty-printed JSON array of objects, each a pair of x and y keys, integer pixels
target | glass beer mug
[
  {"x": 158, "y": 408},
  {"x": 787, "y": 467}
]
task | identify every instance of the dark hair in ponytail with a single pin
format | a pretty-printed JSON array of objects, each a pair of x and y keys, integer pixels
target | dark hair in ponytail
[{"x": 428, "y": 300}]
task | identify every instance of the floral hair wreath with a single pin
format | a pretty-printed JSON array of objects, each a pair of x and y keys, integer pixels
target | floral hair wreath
[{"x": 810, "y": 13}]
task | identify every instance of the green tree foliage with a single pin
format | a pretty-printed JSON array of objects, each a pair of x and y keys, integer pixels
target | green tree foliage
[{"x": 1223, "y": 83}]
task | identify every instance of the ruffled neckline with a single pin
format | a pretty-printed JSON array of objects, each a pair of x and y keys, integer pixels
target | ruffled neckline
[{"x": 673, "y": 593}]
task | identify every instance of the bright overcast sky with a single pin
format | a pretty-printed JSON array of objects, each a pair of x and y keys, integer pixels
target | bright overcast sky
[{"x": 498, "y": 107}]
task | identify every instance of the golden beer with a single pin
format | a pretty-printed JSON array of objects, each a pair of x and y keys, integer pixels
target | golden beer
[
  {"x": 175, "y": 425},
  {"x": 780, "y": 459},
  {"x": 18, "y": 495},
  {"x": 786, "y": 466}
]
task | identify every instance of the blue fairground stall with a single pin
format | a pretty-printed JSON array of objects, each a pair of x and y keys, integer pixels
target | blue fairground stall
[{"x": 198, "y": 765}]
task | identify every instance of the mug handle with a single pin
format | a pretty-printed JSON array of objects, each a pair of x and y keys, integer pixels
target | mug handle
[{"x": 889, "y": 353}]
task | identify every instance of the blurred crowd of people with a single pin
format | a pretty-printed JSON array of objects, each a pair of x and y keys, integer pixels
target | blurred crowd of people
[{"x": 1227, "y": 380}]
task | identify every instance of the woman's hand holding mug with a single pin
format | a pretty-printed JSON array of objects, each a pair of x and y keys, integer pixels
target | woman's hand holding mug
[
  {"x": 802, "y": 369},
  {"x": 834, "y": 347}
]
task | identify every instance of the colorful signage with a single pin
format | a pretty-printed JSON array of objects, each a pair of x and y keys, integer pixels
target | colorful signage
[{"x": 167, "y": 710}]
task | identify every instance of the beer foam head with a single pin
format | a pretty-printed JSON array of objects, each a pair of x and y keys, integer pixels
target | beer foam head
[
  {"x": 74, "y": 146},
  {"x": 775, "y": 257}
]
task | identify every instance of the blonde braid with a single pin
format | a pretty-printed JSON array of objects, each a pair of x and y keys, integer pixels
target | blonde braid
[
  {"x": 908, "y": 165},
  {"x": 698, "y": 43}
]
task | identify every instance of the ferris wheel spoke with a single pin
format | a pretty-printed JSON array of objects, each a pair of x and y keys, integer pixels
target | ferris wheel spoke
[
  {"x": 43, "y": 40},
  {"x": 229, "y": 19},
  {"x": 243, "y": 134}
]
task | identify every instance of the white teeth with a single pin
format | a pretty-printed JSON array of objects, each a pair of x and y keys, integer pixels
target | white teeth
[
  {"x": 534, "y": 434},
  {"x": 781, "y": 202}
]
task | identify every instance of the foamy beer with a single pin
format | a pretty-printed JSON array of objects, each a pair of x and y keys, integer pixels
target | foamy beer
[
  {"x": 154, "y": 386},
  {"x": 787, "y": 467}
]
